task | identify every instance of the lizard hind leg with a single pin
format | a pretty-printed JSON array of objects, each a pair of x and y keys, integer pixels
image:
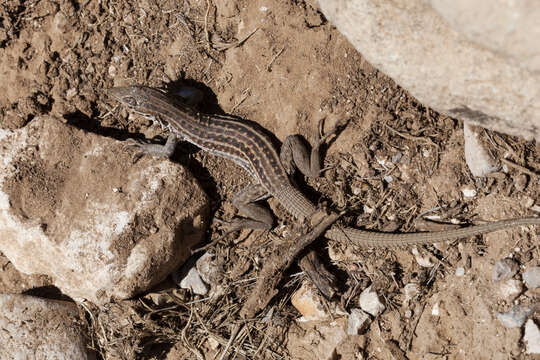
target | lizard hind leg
[{"x": 294, "y": 153}]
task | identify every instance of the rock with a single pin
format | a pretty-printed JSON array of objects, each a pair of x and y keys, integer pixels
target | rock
[
  {"x": 531, "y": 276},
  {"x": 531, "y": 337},
  {"x": 505, "y": 269},
  {"x": 192, "y": 281},
  {"x": 510, "y": 289},
  {"x": 435, "y": 311},
  {"x": 318, "y": 341},
  {"x": 422, "y": 260},
  {"x": 478, "y": 159},
  {"x": 520, "y": 182},
  {"x": 516, "y": 316},
  {"x": 74, "y": 206},
  {"x": 357, "y": 322},
  {"x": 208, "y": 270},
  {"x": 468, "y": 191},
  {"x": 309, "y": 303},
  {"x": 370, "y": 302},
  {"x": 411, "y": 290},
  {"x": 460, "y": 271},
  {"x": 35, "y": 328},
  {"x": 461, "y": 58}
]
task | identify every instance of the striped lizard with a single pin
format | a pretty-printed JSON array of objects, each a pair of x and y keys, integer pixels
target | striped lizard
[{"x": 250, "y": 148}]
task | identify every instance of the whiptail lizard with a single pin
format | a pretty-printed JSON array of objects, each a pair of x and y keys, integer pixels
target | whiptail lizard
[{"x": 250, "y": 148}]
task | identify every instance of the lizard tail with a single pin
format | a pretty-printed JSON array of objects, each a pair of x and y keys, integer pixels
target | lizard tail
[{"x": 376, "y": 239}]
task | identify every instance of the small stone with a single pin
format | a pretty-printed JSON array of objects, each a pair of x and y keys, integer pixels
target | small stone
[
  {"x": 510, "y": 289},
  {"x": 460, "y": 271},
  {"x": 370, "y": 302},
  {"x": 532, "y": 337},
  {"x": 208, "y": 270},
  {"x": 309, "y": 303},
  {"x": 532, "y": 277},
  {"x": 357, "y": 322},
  {"x": 516, "y": 316},
  {"x": 422, "y": 260},
  {"x": 505, "y": 269},
  {"x": 520, "y": 182},
  {"x": 478, "y": 159},
  {"x": 468, "y": 191},
  {"x": 411, "y": 290},
  {"x": 192, "y": 281},
  {"x": 435, "y": 310}
]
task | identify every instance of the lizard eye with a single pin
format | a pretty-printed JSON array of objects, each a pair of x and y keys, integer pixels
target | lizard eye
[{"x": 130, "y": 101}]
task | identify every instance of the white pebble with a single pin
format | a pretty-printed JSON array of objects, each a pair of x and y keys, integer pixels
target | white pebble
[
  {"x": 532, "y": 277},
  {"x": 515, "y": 317},
  {"x": 192, "y": 281},
  {"x": 435, "y": 310},
  {"x": 460, "y": 271},
  {"x": 478, "y": 159},
  {"x": 532, "y": 337},
  {"x": 505, "y": 269},
  {"x": 370, "y": 303},
  {"x": 357, "y": 322},
  {"x": 510, "y": 289},
  {"x": 468, "y": 192}
]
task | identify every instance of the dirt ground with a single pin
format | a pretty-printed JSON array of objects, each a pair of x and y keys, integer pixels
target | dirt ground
[{"x": 282, "y": 65}]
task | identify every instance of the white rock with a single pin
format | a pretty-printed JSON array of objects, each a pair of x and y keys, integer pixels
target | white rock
[
  {"x": 531, "y": 337},
  {"x": 515, "y": 317},
  {"x": 192, "y": 281},
  {"x": 207, "y": 268},
  {"x": 462, "y": 58},
  {"x": 510, "y": 289},
  {"x": 435, "y": 311},
  {"x": 357, "y": 322},
  {"x": 411, "y": 290},
  {"x": 422, "y": 260},
  {"x": 35, "y": 328},
  {"x": 460, "y": 271},
  {"x": 505, "y": 269},
  {"x": 66, "y": 221},
  {"x": 468, "y": 192},
  {"x": 478, "y": 159},
  {"x": 370, "y": 302},
  {"x": 531, "y": 276},
  {"x": 309, "y": 303}
]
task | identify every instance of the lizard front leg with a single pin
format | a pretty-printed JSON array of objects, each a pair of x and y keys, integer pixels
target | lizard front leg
[{"x": 257, "y": 216}]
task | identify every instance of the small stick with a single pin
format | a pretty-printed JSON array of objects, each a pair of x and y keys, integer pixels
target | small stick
[{"x": 265, "y": 288}]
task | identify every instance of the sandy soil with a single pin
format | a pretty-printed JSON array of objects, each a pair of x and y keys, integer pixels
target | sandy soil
[{"x": 284, "y": 66}]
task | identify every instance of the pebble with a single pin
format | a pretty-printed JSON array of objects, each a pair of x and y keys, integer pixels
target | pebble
[
  {"x": 478, "y": 159},
  {"x": 370, "y": 302},
  {"x": 435, "y": 310},
  {"x": 468, "y": 192},
  {"x": 422, "y": 260},
  {"x": 532, "y": 337},
  {"x": 357, "y": 322},
  {"x": 510, "y": 289},
  {"x": 505, "y": 269},
  {"x": 411, "y": 290},
  {"x": 207, "y": 268},
  {"x": 516, "y": 317},
  {"x": 532, "y": 277},
  {"x": 520, "y": 182},
  {"x": 460, "y": 271},
  {"x": 309, "y": 303},
  {"x": 192, "y": 281}
]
